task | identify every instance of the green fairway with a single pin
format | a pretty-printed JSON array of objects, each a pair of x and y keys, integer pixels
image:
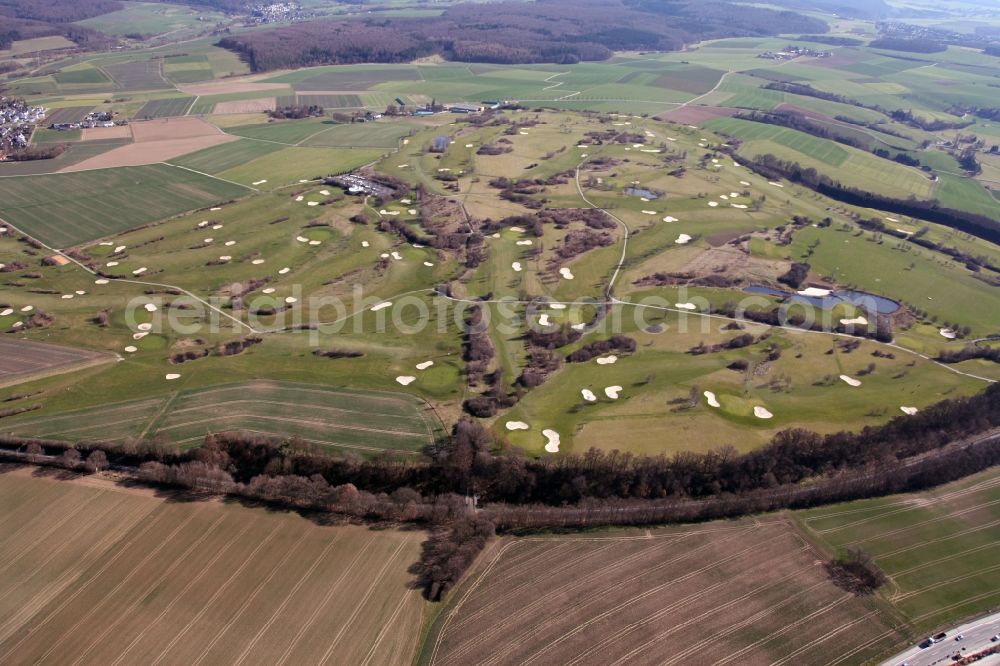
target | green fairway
[{"x": 67, "y": 209}]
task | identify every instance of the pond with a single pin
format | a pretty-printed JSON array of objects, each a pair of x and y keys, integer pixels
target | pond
[
  {"x": 860, "y": 299},
  {"x": 640, "y": 192}
]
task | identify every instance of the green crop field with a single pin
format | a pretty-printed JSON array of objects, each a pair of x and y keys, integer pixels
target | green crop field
[
  {"x": 365, "y": 422},
  {"x": 380, "y": 134},
  {"x": 288, "y": 132},
  {"x": 190, "y": 582},
  {"x": 137, "y": 75},
  {"x": 165, "y": 108},
  {"x": 938, "y": 547},
  {"x": 86, "y": 74},
  {"x": 227, "y": 156},
  {"x": 67, "y": 209},
  {"x": 326, "y": 101}
]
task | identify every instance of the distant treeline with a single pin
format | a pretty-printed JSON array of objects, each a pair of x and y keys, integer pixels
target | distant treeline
[
  {"x": 830, "y": 40},
  {"x": 552, "y": 31},
  {"x": 908, "y": 45},
  {"x": 773, "y": 167}
]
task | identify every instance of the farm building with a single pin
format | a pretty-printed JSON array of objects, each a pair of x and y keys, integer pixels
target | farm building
[{"x": 465, "y": 108}]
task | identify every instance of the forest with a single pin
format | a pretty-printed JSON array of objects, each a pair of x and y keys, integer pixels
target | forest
[{"x": 554, "y": 31}]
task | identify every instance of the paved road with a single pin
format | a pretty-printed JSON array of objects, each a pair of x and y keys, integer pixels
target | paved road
[{"x": 977, "y": 638}]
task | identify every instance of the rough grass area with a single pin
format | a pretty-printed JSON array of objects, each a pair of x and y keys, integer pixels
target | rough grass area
[
  {"x": 63, "y": 210},
  {"x": 180, "y": 582}
]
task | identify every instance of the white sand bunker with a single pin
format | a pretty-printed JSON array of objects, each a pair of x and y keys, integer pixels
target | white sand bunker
[
  {"x": 300, "y": 198},
  {"x": 685, "y": 306},
  {"x": 269, "y": 290},
  {"x": 365, "y": 244},
  {"x": 257, "y": 262},
  {"x": 712, "y": 400},
  {"x": 428, "y": 264},
  {"x": 406, "y": 380},
  {"x": 312, "y": 203},
  {"x": 7, "y": 312},
  {"x": 724, "y": 197},
  {"x": 139, "y": 336},
  {"x": 543, "y": 320},
  {"x": 17, "y": 324},
  {"x": 566, "y": 273},
  {"x": 284, "y": 271},
  {"x": 850, "y": 381},
  {"x": 209, "y": 240},
  {"x": 384, "y": 255},
  {"x": 516, "y": 425},
  {"x": 762, "y": 413},
  {"x": 517, "y": 230},
  {"x": 683, "y": 239},
  {"x": 557, "y": 306},
  {"x": 216, "y": 227},
  {"x": 139, "y": 271},
  {"x": 145, "y": 327},
  {"x": 149, "y": 307},
  {"x": 578, "y": 327},
  {"x": 612, "y": 392},
  {"x": 314, "y": 243},
  {"x": 27, "y": 308},
  {"x": 412, "y": 211},
  {"x": 302, "y": 239},
  {"x": 740, "y": 206},
  {"x": 524, "y": 242},
  {"x": 225, "y": 257},
  {"x": 381, "y": 306},
  {"x": 713, "y": 204},
  {"x": 111, "y": 264},
  {"x": 259, "y": 182},
  {"x": 325, "y": 193},
  {"x": 607, "y": 360},
  {"x": 172, "y": 376},
  {"x": 909, "y": 411},
  {"x": 857, "y": 320},
  {"x": 397, "y": 256},
  {"x": 291, "y": 299},
  {"x": 588, "y": 395},
  {"x": 66, "y": 297},
  {"x": 734, "y": 195},
  {"x": 201, "y": 225},
  {"x": 775, "y": 184},
  {"x": 216, "y": 208},
  {"x": 948, "y": 333},
  {"x": 131, "y": 349},
  {"x": 813, "y": 291},
  {"x": 405, "y": 201},
  {"x": 120, "y": 248},
  {"x": 424, "y": 365},
  {"x": 516, "y": 266},
  {"x": 892, "y": 219},
  {"x": 552, "y": 443},
  {"x": 100, "y": 281},
  {"x": 649, "y": 212},
  {"x": 670, "y": 218}
]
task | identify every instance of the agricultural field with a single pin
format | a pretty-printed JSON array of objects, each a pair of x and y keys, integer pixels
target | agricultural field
[
  {"x": 21, "y": 360},
  {"x": 194, "y": 581},
  {"x": 63, "y": 210},
  {"x": 747, "y": 592},
  {"x": 164, "y": 108},
  {"x": 937, "y": 547},
  {"x": 337, "y": 420}
]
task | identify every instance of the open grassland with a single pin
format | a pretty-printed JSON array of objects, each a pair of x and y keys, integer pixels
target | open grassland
[
  {"x": 99, "y": 573},
  {"x": 379, "y": 135},
  {"x": 67, "y": 209},
  {"x": 363, "y": 421},
  {"x": 939, "y": 548},
  {"x": 750, "y": 592}
]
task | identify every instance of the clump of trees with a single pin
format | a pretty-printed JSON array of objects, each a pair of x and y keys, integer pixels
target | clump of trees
[
  {"x": 857, "y": 572},
  {"x": 295, "y": 112}
]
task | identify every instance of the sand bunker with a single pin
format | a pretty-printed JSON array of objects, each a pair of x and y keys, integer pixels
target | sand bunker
[
  {"x": 516, "y": 425},
  {"x": 909, "y": 411},
  {"x": 291, "y": 299},
  {"x": 150, "y": 307},
  {"x": 284, "y": 271},
  {"x": 397, "y": 256},
  {"x": 216, "y": 226},
  {"x": 313, "y": 203},
  {"x": 111, "y": 264},
  {"x": 131, "y": 350},
  {"x": 813, "y": 291},
  {"x": 259, "y": 182},
  {"x": 850, "y": 381},
  {"x": 734, "y": 195},
  {"x": 172, "y": 376},
  {"x": 365, "y": 244},
  {"x": 257, "y": 262},
  {"x": 724, "y": 197},
  {"x": 670, "y": 218},
  {"x": 566, "y": 273},
  {"x": 685, "y": 306},
  {"x": 314, "y": 243},
  {"x": 552, "y": 440},
  {"x": 381, "y": 306},
  {"x": 713, "y": 204},
  {"x": 225, "y": 257},
  {"x": 740, "y": 206},
  {"x": 428, "y": 264},
  {"x": 578, "y": 327},
  {"x": 269, "y": 290},
  {"x": 744, "y": 183},
  {"x": 7, "y": 312},
  {"x": 892, "y": 219},
  {"x": 302, "y": 239},
  {"x": 649, "y": 212},
  {"x": 145, "y": 327},
  {"x": 516, "y": 266},
  {"x": 424, "y": 365},
  {"x": 762, "y": 413},
  {"x": 120, "y": 248},
  {"x": 607, "y": 360},
  {"x": 100, "y": 281},
  {"x": 524, "y": 242},
  {"x": 588, "y": 395},
  {"x": 406, "y": 380},
  {"x": 557, "y": 306},
  {"x": 27, "y": 308},
  {"x": 683, "y": 239},
  {"x": 857, "y": 320},
  {"x": 66, "y": 297},
  {"x": 612, "y": 392},
  {"x": 140, "y": 271},
  {"x": 712, "y": 400},
  {"x": 775, "y": 184},
  {"x": 299, "y": 198},
  {"x": 948, "y": 333},
  {"x": 543, "y": 320}
]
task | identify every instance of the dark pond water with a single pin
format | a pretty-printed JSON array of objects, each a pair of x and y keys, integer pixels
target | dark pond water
[
  {"x": 861, "y": 299},
  {"x": 640, "y": 192}
]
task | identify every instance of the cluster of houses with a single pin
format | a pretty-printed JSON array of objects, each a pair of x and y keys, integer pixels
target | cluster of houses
[
  {"x": 358, "y": 184},
  {"x": 17, "y": 122},
  {"x": 275, "y": 12},
  {"x": 790, "y": 52},
  {"x": 90, "y": 121}
]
